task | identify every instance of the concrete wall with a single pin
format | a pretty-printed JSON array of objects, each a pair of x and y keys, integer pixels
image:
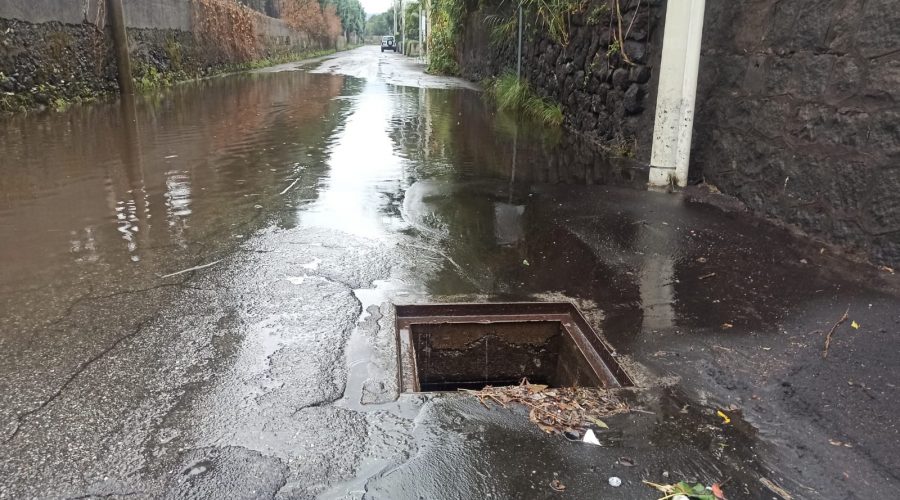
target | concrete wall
[
  {"x": 54, "y": 51},
  {"x": 157, "y": 14},
  {"x": 45, "y": 11}
]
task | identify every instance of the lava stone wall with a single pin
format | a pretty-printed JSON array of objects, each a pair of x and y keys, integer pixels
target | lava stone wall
[
  {"x": 603, "y": 96},
  {"x": 798, "y": 115}
]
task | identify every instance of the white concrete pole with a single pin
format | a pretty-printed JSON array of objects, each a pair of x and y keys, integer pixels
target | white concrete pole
[{"x": 676, "y": 93}]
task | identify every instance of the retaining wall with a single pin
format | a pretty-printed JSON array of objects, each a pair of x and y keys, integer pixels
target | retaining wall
[
  {"x": 602, "y": 95},
  {"x": 798, "y": 105},
  {"x": 798, "y": 115},
  {"x": 54, "y": 51}
]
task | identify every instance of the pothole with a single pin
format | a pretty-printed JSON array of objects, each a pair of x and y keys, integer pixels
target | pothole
[{"x": 445, "y": 347}]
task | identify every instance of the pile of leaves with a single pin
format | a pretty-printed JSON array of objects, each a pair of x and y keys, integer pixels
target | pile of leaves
[{"x": 568, "y": 409}]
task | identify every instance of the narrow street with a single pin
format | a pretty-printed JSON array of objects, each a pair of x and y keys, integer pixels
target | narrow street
[{"x": 196, "y": 302}]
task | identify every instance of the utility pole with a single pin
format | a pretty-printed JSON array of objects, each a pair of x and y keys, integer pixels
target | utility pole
[
  {"x": 120, "y": 40},
  {"x": 519, "y": 58},
  {"x": 676, "y": 94}
]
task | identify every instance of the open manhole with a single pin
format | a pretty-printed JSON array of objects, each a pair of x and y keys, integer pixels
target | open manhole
[{"x": 445, "y": 347}]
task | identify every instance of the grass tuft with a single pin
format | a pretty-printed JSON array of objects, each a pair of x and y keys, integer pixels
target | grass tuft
[{"x": 512, "y": 94}]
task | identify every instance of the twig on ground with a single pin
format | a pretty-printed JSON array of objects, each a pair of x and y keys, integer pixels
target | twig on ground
[
  {"x": 776, "y": 489},
  {"x": 841, "y": 321},
  {"x": 195, "y": 268},
  {"x": 706, "y": 276}
]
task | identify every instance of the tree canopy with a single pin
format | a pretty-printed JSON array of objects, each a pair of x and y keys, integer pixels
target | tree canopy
[
  {"x": 353, "y": 17},
  {"x": 381, "y": 24}
]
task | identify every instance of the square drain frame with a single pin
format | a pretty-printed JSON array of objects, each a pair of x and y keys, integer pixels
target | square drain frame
[{"x": 593, "y": 361}]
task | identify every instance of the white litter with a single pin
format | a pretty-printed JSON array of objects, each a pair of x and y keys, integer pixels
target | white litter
[
  {"x": 615, "y": 482},
  {"x": 590, "y": 438}
]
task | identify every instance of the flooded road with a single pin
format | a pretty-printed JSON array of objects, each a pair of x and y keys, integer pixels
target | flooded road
[{"x": 194, "y": 300}]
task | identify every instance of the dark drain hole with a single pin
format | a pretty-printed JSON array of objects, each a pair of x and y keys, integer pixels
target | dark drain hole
[
  {"x": 453, "y": 356},
  {"x": 445, "y": 347}
]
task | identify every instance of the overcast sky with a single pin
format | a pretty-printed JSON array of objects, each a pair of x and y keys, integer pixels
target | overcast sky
[{"x": 375, "y": 6}]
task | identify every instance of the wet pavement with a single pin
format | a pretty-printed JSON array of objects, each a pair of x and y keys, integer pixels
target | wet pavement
[{"x": 196, "y": 290}]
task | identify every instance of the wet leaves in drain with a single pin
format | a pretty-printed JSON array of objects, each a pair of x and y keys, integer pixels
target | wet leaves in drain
[{"x": 558, "y": 410}]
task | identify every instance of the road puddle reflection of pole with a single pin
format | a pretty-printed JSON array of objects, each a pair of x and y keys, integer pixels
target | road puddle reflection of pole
[
  {"x": 127, "y": 196},
  {"x": 657, "y": 278}
]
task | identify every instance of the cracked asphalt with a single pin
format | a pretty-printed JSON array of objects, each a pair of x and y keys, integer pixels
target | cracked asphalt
[{"x": 196, "y": 290}]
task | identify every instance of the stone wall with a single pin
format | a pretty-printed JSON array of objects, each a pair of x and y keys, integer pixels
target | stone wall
[
  {"x": 798, "y": 105},
  {"x": 798, "y": 115},
  {"x": 56, "y": 51},
  {"x": 603, "y": 96}
]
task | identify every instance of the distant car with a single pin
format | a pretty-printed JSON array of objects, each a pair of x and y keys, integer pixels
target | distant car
[{"x": 387, "y": 43}]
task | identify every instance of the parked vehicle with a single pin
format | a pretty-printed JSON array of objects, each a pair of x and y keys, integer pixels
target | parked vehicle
[{"x": 387, "y": 43}]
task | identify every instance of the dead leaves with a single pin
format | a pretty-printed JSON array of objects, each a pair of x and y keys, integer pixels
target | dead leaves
[
  {"x": 556, "y": 410},
  {"x": 694, "y": 491}
]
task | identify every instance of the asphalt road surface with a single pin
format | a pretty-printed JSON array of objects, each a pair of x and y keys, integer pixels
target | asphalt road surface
[{"x": 196, "y": 290}]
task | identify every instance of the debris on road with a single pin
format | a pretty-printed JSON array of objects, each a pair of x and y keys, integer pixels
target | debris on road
[
  {"x": 725, "y": 418},
  {"x": 559, "y": 410},
  {"x": 557, "y": 485},
  {"x": 195, "y": 268},
  {"x": 840, "y": 322},
  {"x": 591, "y": 438},
  {"x": 615, "y": 482},
  {"x": 776, "y": 489},
  {"x": 695, "y": 491}
]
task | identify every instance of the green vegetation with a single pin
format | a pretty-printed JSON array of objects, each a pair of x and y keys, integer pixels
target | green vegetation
[
  {"x": 613, "y": 49},
  {"x": 381, "y": 24},
  {"x": 512, "y": 94},
  {"x": 147, "y": 78},
  {"x": 597, "y": 15},
  {"x": 56, "y": 97},
  {"x": 352, "y": 16},
  {"x": 175, "y": 53},
  {"x": 623, "y": 147},
  {"x": 446, "y": 24},
  {"x": 411, "y": 21},
  {"x": 550, "y": 16}
]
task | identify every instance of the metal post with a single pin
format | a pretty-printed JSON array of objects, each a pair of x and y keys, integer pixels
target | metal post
[
  {"x": 120, "y": 40},
  {"x": 676, "y": 94},
  {"x": 519, "y": 58}
]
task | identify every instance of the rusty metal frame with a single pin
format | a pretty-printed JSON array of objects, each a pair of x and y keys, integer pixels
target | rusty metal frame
[{"x": 592, "y": 346}]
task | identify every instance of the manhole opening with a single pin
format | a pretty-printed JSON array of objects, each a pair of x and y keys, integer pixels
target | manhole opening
[{"x": 469, "y": 346}]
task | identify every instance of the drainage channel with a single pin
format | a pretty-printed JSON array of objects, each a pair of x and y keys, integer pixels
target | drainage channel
[{"x": 445, "y": 347}]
